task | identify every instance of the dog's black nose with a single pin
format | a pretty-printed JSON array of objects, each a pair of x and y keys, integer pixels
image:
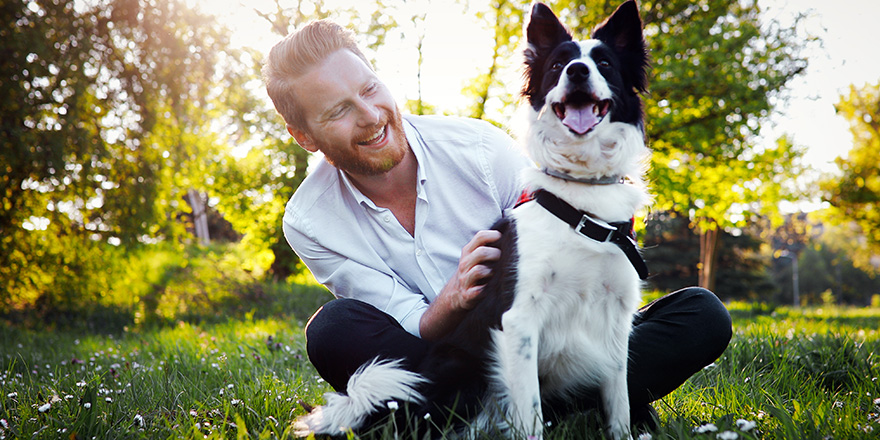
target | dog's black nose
[{"x": 577, "y": 72}]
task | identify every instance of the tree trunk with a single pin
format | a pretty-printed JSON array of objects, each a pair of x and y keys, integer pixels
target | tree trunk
[
  {"x": 199, "y": 216},
  {"x": 708, "y": 254}
]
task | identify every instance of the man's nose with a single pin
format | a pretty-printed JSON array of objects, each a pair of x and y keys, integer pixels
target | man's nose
[{"x": 368, "y": 114}]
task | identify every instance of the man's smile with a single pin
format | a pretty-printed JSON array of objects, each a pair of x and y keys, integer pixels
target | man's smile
[{"x": 376, "y": 138}]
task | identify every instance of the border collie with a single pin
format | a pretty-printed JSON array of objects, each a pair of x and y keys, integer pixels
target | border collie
[{"x": 555, "y": 317}]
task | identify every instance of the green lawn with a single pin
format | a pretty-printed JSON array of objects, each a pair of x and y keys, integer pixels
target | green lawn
[{"x": 788, "y": 374}]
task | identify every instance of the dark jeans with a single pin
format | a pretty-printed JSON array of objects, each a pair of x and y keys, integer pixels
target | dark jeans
[{"x": 673, "y": 338}]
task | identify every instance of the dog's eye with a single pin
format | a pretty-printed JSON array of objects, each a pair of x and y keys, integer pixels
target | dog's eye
[
  {"x": 604, "y": 63},
  {"x": 556, "y": 66}
]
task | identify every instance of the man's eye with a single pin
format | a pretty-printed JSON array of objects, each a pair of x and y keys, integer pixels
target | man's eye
[{"x": 338, "y": 113}]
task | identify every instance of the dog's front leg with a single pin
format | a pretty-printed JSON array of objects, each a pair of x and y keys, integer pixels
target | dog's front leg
[
  {"x": 615, "y": 396},
  {"x": 518, "y": 364}
]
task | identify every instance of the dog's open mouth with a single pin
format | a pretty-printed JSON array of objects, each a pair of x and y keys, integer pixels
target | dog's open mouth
[{"x": 581, "y": 112}]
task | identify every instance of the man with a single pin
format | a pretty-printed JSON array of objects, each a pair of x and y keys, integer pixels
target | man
[{"x": 393, "y": 221}]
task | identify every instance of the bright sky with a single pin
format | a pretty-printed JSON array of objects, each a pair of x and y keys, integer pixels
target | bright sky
[{"x": 457, "y": 48}]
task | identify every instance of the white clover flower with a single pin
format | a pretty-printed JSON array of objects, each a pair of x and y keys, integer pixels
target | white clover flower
[
  {"x": 139, "y": 420},
  {"x": 393, "y": 405},
  {"x": 235, "y": 402},
  {"x": 645, "y": 436},
  {"x": 745, "y": 425},
  {"x": 12, "y": 395},
  {"x": 108, "y": 399},
  {"x": 708, "y": 427},
  {"x": 230, "y": 386},
  {"x": 4, "y": 424},
  {"x": 727, "y": 435},
  {"x": 44, "y": 408},
  {"x": 877, "y": 401},
  {"x": 87, "y": 405}
]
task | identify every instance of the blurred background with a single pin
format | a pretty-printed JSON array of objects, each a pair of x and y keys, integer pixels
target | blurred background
[{"x": 144, "y": 172}]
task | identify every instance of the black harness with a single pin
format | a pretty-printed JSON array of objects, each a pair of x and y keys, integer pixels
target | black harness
[{"x": 619, "y": 233}]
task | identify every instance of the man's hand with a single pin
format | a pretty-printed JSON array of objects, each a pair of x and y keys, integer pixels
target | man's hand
[
  {"x": 462, "y": 292},
  {"x": 465, "y": 286}
]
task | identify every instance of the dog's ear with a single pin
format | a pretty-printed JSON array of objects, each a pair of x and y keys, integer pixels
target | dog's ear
[
  {"x": 544, "y": 30},
  {"x": 623, "y": 32}
]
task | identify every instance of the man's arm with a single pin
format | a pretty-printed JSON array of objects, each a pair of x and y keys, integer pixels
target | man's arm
[{"x": 462, "y": 292}]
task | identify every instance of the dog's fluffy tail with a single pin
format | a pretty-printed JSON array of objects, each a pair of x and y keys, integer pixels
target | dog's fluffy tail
[{"x": 373, "y": 386}]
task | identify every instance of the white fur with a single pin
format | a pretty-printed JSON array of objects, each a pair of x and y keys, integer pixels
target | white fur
[
  {"x": 570, "y": 321},
  {"x": 372, "y": 385},
  {"x": 596, "y": 83}
]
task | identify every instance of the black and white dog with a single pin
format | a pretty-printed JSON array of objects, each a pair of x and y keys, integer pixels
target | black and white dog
[{"x": 555, "y": 318}]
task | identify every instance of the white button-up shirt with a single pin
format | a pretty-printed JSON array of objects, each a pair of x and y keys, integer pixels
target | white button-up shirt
[{"x": 468, "y": 174}]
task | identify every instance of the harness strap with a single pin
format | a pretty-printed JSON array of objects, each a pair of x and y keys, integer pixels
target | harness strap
[{"x": 619, "y": 233}]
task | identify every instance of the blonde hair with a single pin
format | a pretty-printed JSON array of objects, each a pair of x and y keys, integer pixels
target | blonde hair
[{"x": 293, "y": 56}]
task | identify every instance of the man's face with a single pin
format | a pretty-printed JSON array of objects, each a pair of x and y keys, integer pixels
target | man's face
[{"x": 350, "y": 116}]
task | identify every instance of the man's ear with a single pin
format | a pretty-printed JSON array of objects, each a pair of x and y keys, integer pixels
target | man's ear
[{"x": 303, "y": 139}]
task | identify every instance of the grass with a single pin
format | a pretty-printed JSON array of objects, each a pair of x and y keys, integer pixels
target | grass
[{"x": 788, "y": 374}]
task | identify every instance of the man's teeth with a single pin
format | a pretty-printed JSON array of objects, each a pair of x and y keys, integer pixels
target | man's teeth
[{"x": 375, "y": 136}]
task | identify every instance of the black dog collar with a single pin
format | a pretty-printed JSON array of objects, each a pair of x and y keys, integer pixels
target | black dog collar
[{"x": 619, "y": 233}]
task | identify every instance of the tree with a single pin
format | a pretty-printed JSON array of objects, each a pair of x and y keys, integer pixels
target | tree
[
  {"x": 717, "y": 70},
  {"x": 855, "y": 193},
  {"x": 671, "y": 249},
  {"x": 108, "y": 122}
]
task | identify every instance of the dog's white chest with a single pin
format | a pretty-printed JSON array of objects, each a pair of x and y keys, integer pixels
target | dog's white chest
[{"x": 581, "y": 292}]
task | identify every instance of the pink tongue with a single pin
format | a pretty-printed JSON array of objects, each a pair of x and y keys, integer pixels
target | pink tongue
[{"x": 580, "y": 120}]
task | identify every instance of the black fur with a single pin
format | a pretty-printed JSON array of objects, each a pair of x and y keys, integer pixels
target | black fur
[
  {"x": 457, "y": 366},
  {"x": 551, "y": 48}
]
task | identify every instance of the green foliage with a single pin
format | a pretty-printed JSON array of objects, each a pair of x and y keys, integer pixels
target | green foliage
[
  {"x": 157, "y": 285},
  {"x": 833, "y": 261},
  {"x": 671, "y": 250},
  {"x": 855, "y": 193},
  {"x": 122, "y": 108},
  {"x": 718, "y": 67}
]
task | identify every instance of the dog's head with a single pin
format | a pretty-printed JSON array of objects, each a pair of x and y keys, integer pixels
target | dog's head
[{"x": 579, "y": 90}]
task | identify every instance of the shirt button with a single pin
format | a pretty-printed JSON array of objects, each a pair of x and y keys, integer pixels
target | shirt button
[
  {"x": 387, "y": 218},
  {"x": 418, "y": 252}
]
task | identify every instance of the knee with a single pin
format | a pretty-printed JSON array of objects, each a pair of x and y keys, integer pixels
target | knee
[
  {"x": 714, "y": 319},
  {"x": 324, "y": 326}
]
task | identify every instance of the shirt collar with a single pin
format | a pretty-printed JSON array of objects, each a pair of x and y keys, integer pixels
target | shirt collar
[{"x": 417, "y": 145}]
